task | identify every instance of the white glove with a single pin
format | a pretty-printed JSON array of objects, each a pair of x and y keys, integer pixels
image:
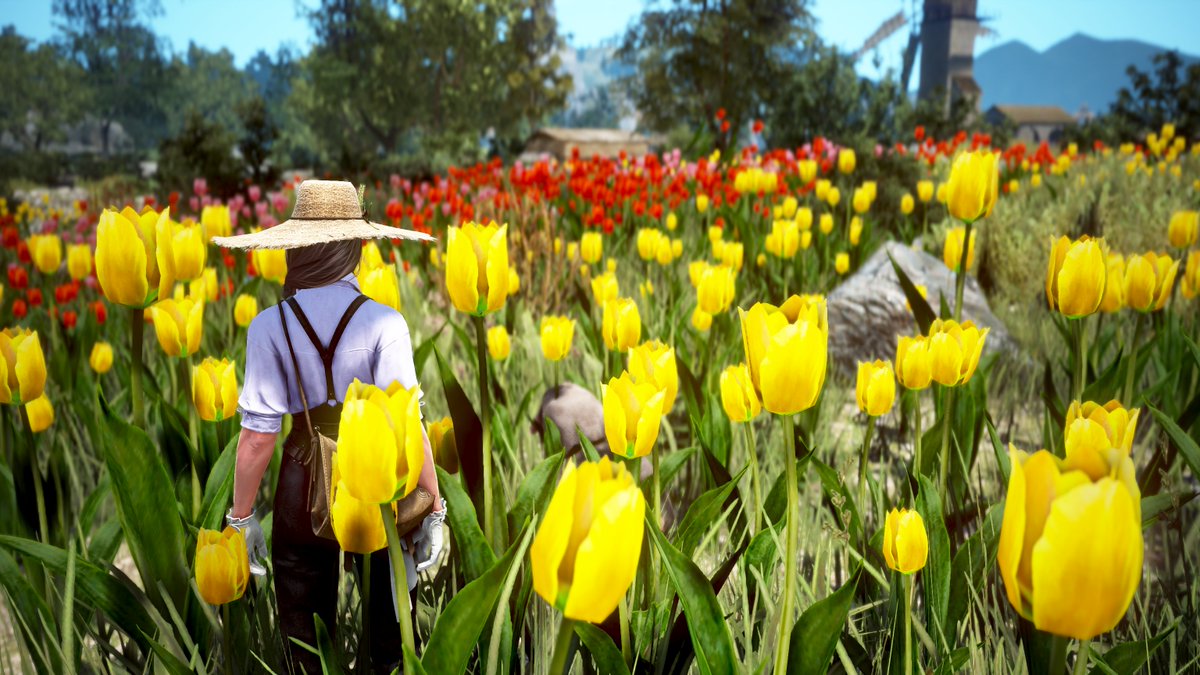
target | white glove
[
  {"x": 256, "y": 543},
  {"x": 427, "y": 541}
]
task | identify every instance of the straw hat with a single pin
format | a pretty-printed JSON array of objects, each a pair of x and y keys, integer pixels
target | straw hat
[{"x": 325, "y": 211}]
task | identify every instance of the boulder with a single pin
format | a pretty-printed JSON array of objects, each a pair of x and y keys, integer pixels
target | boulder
[{"x": 868, "y": 310}]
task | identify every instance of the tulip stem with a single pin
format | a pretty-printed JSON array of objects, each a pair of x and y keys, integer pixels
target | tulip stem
[
  {"x": 916, "y": 433},
  {"x": 656, "y": 487},
  {"x": 485, "y": 417},
  {"x": 908, "y": 598},
  {"x": 562, "y": 645},
  {"x": 400, "y": 574},
  {"x": 623, "y": 615},
  {"x": 1081, "y": 659},
  {"x": 1131, "y": 362},
  {"x": 1058, "y": 655},
  {"x": 755, "y": 479},
  {"x": 960, "y": 280},
  {"x": 789, "y": 563},
  {"x": 862, "y": 476},
  {"x": 947, "y": 423},
  {"x": 226, "y": 639},
  {"x": 137, "y": 327},
  {"x": 1080, "y": 361}
]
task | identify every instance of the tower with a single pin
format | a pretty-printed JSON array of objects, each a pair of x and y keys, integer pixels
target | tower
[{"x": 948, "y": 31}]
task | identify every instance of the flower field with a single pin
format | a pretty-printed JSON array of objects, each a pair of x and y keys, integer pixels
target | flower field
[{"x": 744, "y": 505}]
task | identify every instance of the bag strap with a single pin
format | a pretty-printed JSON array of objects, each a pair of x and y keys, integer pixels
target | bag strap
[
  {"x": 327, "y": 353},
  {"x": 296, "y": 369}
]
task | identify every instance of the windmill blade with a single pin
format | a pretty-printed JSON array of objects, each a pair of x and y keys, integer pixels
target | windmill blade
[{"x": 882, "y": 33}]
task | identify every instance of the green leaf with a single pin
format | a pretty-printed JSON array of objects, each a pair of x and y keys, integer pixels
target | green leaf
[
  {"x": 32, "y": 615},
  {"x": 1155, "y": 505},
  {"x": 1128, "y": 658},
  {"x": 463, "y": 619},
  {"x": 535, "y": 490},
  {"x": 999, "y": 450},
  {"x": 815, "y": 636},
  {"x": 606, "y": 655},
  {"x": 703, "y": 515},
  {"x": 833, "y": 485},
  {"x": 146, "y": 507},
  {"x": 969, "y": 569},
  {"x": 589, "y": 450},
  {"x": 921, "y": 310},
  {"x": 468, "y": 430},
  {"x": 711, "y": 638},
  {"x": 326, "y": 649},
  {"x": 473, "y": 550},
  {"x": 218, "y": 489},
  {"x": 672, "y": 463},
  {"x": 1180, "y": 439},
  {"x": 937, "y": 569}
]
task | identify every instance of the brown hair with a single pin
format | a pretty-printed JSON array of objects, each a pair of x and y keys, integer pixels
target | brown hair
[{"x": 320, "y": 264}]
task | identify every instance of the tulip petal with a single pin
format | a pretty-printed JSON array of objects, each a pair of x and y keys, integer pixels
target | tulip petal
[
  {"x": 608, "y": 557},
  {"x": 462, "y": 272}
]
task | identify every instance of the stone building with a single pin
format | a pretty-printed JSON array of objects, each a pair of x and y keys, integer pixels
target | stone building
[
  {"x": 561, "y": 142},
  {"x": 948, "y": 30},
  {"x": 1034, "y": 123}
]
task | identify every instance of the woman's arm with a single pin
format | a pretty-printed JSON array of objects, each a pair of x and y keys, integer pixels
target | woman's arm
[{"x": 254, "y": 453}]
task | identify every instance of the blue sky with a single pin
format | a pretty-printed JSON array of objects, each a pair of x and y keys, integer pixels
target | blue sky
[{"x": 245, "y": 26}]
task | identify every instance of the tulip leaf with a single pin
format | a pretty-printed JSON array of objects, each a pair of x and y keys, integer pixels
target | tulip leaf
[
  {"x": 937, "y": 567},
  {"x": 969, "y": 569},
  {"x": 999, "y": 449},
  {"x": 473, "y": 550},
  {"x": 535, "y": 491},
  {"x": 816, "y": 633},
  {"x": 679, "y": 646},
  {"x": 1154, "y": 506},
  {"x": 326, "y": 649},
  {"x": 921, "y": 310},
  {"x": 704, "y": 514},
  {"x": 1129, "y": 657},
  {"x": 463, "y": 619},
  {"x": 422, "y": 352},
  {"x": 606, "y": 655},
  {"x": 412, "y": 662},
  {"x": 218, "y": 490},
  {"x": 711, "y": 638},
  {"x": 146, "y": 504},
  {"x": 468, "y": 430},
  {"x": 671, "y": 464},
  {"x": 1185, "y": 444},
  {"x": 29, "y": 612},
  {"x": 838, "y": 497},
  {"x": 589, "y": 450}
]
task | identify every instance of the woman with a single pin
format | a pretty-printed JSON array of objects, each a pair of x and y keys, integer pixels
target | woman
[{"x": 335, "y": 335}]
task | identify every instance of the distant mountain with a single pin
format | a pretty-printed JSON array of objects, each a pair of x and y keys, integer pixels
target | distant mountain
[{"x": 1080, "y": 70}]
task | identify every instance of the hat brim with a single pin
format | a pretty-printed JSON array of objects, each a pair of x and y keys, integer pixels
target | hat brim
[{"x": 299, "y": 233}]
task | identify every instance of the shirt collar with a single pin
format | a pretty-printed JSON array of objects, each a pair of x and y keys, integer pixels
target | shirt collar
[{"x": 350, "y": 280}]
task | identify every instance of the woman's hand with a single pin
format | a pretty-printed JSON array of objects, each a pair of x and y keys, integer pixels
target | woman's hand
[
  {"x": 428, "y": 539},
  {"x": 256, "y": 542}
]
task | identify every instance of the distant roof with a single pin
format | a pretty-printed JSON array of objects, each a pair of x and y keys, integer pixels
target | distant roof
[
  {"x": 1035, "y": 114},
  {"x": 966, "y": 84},
  {"x": 590, "y": 135}
]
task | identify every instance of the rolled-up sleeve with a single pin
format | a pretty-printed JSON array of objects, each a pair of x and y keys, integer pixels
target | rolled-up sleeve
[
  {"x": 264, "y": 398},
  {"x": 394, "y": 360}
]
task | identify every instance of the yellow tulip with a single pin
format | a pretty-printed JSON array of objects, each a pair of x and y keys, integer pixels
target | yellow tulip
[
  {"x": 23, "y": 368},
  {"x": 833, "y": 197},
  {"x": 381, "y": 447},
  {"x": 805, "y": 240},
  {"x": 605, "y": 288},
  {"x": 738, "y": 397},
  {"x": 622, "y": 324},
  {"x": 905, "y": 543},
  {"x": 1184, "y": 228},
  {"x": 586, "y": 551},
  {"x": 127, "y": 258},
  {"x": 914, "y": 362},
  {"x": 632, "y": 415},
  {"x": 188, "y": 251},
  {"x": 954, "y": 350},
  {"x": 371, "y": 259},
  {"x": 270, "y": 264},
  {"x": 906, "y": 204},
  {"x": 860, "y": 201},
  {"x": 846, "y": 160},
  {"x": 647, "y": 242},
  {"x": 443, "y": 445},
  {"x": 790, "y": 204},
  {"x": 1114, "y": 293},
  {"x": 826, "y": 223},
  {"x": 245, "y": 309},
  {"x": 557, "y": 333},
  {"x": 477, "y": 267},
  {"x": 216, "y": 221},
  {"x": 101, "y": 358},
  {"x": 875, "y": 388},
  {"x": 1071, "y": 547},
  {"x": 773, "y": 337},
  {"x": 178, "y": 325},
  {"x": 572, "y": 250},
  {"x": 925, "y": 190},
  {"x": 672, "y": 221},
  {"x": 784, "y": 240},
  {"x": 79, "y": 261},
  {"x": 215, "y": 389},
  {"x": 1035, "y": 180},
  {"x": 591, "y": 247},
  {"x": 941, "y": 193},
  {"x": 856, "y": 228},
  {"x": 381, "y": 285},
  {"x": 1098, "y": 437},
  {"x": 701, "y": 203},
  {"x": 1148, "y": 281},
  {"x": 701, "y": 320},
  {"x": 804, "y": 219},
  {"x": 732, "y": 254},
  {"x": 46, "y": 252},
  {"x": 821, "y": 190},
  {"x": 514, "y": 281},
  {"x": 498, "y": 343},
  {"x": 952, "y": 251},
  {"x": 222, "y": 565},
  {"x": 676, "y": 248},
  {"x": 715, "y": 288},
  {"x": 357, "y": 525},
  {"x": 841, "y": 263},
  {"x": 1190, "y": 286},
  {"x": 1076, "y": 276},
  {"x": 871, "y": 188},
  {"x": 973, "y": 185},
  {"x": 211, "y": 285},
  {"x": 807, "y": 169},
  {"x": 654, "y": 363},
  {"x": 664, "y": 251}
]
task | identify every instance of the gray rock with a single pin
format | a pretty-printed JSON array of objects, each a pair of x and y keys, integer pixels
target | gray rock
[{"x": 867, "y": 311}]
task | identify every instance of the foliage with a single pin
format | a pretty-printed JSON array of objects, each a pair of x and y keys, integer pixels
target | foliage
[
  {"x": 202, "y": 148},
  {"x": 1156, "y": 98}
]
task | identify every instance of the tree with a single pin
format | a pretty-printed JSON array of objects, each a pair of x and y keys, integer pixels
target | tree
[
  {"x": 202, "y": 149},
  {"x": 44, "y": 93},
  {"x": 1163, "y": 95},
  {"x": 258, "y": 138},
  {"x": 696, "y": 57},
  {"x": 123, "y": 63},
  {"x": 208, "y": 83}
]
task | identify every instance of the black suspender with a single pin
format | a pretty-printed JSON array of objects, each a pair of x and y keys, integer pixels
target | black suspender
[{"x": 326, "y": 353}]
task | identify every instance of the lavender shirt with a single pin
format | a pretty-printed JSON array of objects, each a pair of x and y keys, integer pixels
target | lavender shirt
[{"x": 375, "y": 348}]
